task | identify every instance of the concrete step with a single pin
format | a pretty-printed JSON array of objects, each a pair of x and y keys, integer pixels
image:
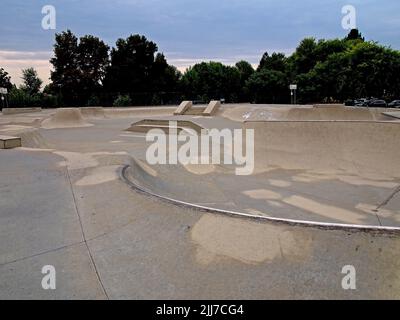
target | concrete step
[{"x": 8, "y": 142}]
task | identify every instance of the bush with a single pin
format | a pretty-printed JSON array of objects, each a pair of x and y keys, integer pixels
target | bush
[
  {"x": 19, "y": 98},
  {"x": 122, "y": 101},
  {"x": 49, "y": 101},
  {"x": 93, "y": 101}
]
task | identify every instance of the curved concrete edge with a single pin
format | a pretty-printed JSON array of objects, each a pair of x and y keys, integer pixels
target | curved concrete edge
[
  {"x": 12, "y": 111},
  {"x": 289, "y": 222}
]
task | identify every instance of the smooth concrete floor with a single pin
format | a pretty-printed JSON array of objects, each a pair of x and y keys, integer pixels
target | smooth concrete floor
[{"x": 68, "y": 207}]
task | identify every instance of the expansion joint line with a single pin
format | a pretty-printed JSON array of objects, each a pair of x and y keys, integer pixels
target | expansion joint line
[
  {"x": 84, "y": 235},
  {"x": 388, "y": 199}
]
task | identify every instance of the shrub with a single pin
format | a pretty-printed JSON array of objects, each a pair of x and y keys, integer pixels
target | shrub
[
  {"x": 93, "y": 101},
  {"x": 122, "y": 101}
]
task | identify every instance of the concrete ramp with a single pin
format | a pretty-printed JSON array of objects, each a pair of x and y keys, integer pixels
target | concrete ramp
[
  {"x": 93, "y": 112},
  {"x": 364, "y": 147},
  {"x": 183, "y": 107},
  {"x": 212, "y": 108},
  {"x": 187, "y": 108},
  {"x": 395, "y": 114},
  {"x": 65, "y": 118}
]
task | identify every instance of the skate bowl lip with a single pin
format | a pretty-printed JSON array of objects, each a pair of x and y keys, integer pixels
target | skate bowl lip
[{"x": 123, "y": 173}]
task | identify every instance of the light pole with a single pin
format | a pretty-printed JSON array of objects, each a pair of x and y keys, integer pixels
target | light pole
[
  {"x": 293, "y": 89},
  {"x": 3, "y": 92}
]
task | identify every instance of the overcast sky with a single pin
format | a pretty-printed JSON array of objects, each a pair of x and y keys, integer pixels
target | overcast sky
[{"x": 188, "y": 31}]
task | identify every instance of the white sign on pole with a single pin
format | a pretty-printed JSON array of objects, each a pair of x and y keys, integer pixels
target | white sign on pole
[
  {"x": 293, "y": 87},
  {"x": 3, "y": 90}
]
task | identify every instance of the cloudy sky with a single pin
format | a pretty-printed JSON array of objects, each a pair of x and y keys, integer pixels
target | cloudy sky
[{"x": 188, "y": 31}]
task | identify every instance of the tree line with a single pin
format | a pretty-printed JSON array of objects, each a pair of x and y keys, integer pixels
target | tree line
[{"x": 87, "y": 72}]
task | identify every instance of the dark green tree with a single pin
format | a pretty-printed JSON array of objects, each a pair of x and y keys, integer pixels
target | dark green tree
[
  {"x": 305, "y": 56},
  {"x": 31, "y": 82},
  {"x": 5, "y": 79},
  {"x": 277, "y": 62},
  {"x": 131, "y": 67},
  {"x": 92, "y": 60},
  {"x": 268, "y": 86},
  {"x": 165, "y": 80},
  {"x": 66, "y": 73},
  {"x": 211, "y": 81},
  {"x": 354, "y": 34},
  {"x": 245, "y": 72}
]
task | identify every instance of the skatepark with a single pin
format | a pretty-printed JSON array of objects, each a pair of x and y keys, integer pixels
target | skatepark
[{"x": 77, "y": 192}]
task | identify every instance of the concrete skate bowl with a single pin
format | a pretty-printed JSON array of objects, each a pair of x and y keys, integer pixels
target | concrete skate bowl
[
  {"x": 65, "y": 118},
  {"x": 247, "y": 112},
  {"x": 329, "y": 174}
]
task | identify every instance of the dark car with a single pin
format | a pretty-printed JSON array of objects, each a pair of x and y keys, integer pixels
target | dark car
[
  {"x": 394, "y": 104},
  {"x": 377, "y": 104},
  {"x": 361, "y": 102}
]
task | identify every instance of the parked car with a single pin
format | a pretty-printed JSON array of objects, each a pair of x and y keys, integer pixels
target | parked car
[
  {"x": 377, "y": 104},
  {"x": 394, "y": 104},
  {"x": 350, "y": 103},
  {"x": 361, "y": 102}
]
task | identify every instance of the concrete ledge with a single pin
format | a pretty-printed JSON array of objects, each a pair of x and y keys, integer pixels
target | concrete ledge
[
  {"x": 146, "y": 125},
  {"x": 329, "y": 105},
  {"x": 7, "y": 111},
  {"x": 8, "y": 142},
  {"x": 395, "y": 114},
  {"x": 183, "y": 107},
  {"x": 212, "y": 108},
  {"x": 127, "y": 176}
]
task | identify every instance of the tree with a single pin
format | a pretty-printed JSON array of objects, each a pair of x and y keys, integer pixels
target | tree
[
  {"x": 277, "y": 62},
  {"x": 92, "y": 60},
  {"x": 31, "y": 82},
  {"x": 354, "y": 34},
  {"x": 66, "y": 74},
  {"x": 268, "y": 86},
  {"x": 304, "y": 58},
  {"x": 245, "y": 72},
  {"x": 79, "y": 68},
  {"x": 5, "y": 79},
  {"x": 211, "y": 81},
  {"x": 122, "y": 101},
  {"x": 165, "y": 80},
  {"x": 131, "y": 66}
]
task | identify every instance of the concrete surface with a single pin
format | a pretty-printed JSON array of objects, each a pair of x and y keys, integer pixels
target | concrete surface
[
  {"x": 63, "y": 203},
  {"x": 7, "y": 111}
]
